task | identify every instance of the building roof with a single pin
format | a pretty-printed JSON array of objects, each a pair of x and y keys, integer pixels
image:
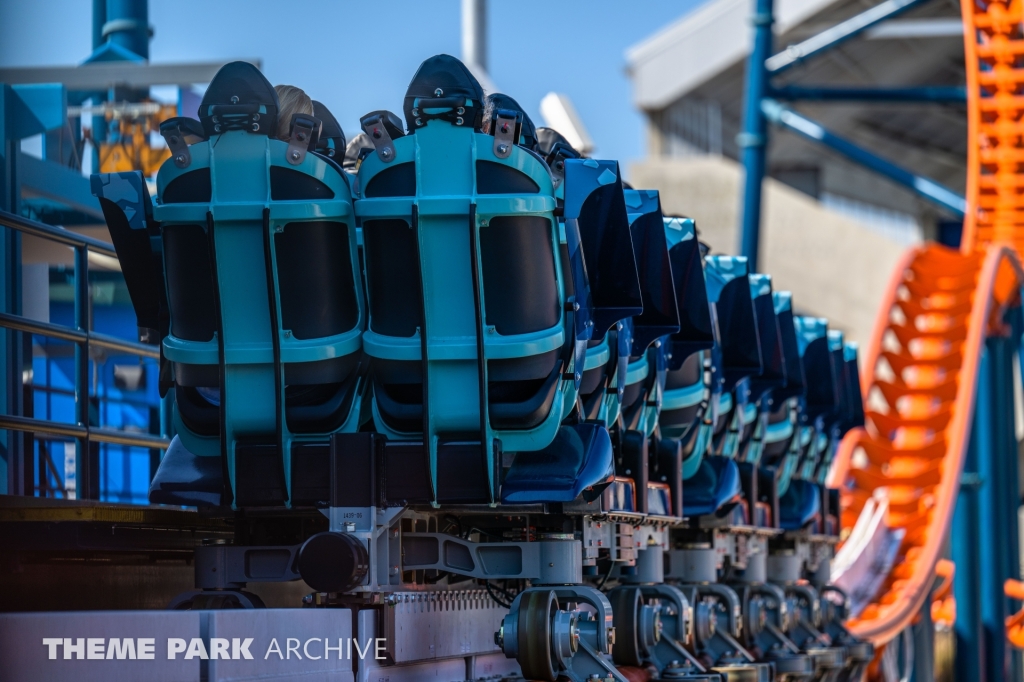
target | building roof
[
  {"x": 701, "y": 58},
  {"x": 701, "y": 45}
]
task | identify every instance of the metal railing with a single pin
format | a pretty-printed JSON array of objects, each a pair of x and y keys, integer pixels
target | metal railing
[{"x": 83, "y": 338}]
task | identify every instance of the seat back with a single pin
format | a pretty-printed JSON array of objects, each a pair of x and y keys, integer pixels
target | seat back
[
  {"x": 467, "y": 321},
  {"x": 331, "y": 142},
  {"x": 732, "y": 308},
  {"x": 266, "y": 316},
  {"x": 695, "y": 332}
]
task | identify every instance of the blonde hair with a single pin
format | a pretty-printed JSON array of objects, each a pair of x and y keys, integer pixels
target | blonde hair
[{"x": 291, "y": 101}]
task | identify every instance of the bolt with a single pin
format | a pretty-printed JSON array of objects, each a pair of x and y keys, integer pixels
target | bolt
[
  {"x": 458, "y": 121},
  {"x": 386, "y": 153},
  {"x": 308, "y": 599},
  {"x": 180, "y": 158},
  {"x": 438, "y": 93},
  {"x": 234, "y": 99},
  {"x": 295, "y": 156},
  {"x": 350, "y": 527},
  {"x": 502, "y": 148},
  {"x": 302, "y": 137}
]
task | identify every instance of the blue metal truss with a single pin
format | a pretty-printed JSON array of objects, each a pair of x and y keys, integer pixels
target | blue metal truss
[{"x": 760, "y": 107}]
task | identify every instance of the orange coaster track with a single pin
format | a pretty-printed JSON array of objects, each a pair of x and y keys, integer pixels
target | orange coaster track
[{"x": 920, "y": 370}]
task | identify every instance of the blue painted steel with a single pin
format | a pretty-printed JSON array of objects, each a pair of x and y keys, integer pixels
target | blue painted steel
[
  {"x": 998, "y": 498},
  {"x": 805, "y": 127},
  {"x": 753, "y": 138},
  {"x": 956, "y": 94},
  {"x": 829, "y": 38},
  {"x": 965, "y": 541},
  {"x": 37, "y": 109}
]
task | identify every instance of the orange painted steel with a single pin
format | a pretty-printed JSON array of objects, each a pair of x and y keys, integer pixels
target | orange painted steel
[
  {"x": 1015, "y": 623},
  {"x": 919, "y": 382},
  {"x": 993, "y": 47},
  {"x": 920, "y": 369}
]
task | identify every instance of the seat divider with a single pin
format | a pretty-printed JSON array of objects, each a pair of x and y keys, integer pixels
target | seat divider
[
  {"x": 275, "y": 343},
  {"x": 481, "y": 360},
  {"x": 227, "y": 494}
]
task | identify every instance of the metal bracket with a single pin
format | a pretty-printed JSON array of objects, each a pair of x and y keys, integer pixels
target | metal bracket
[
  {"x": 378, "y": 133},
  {"x": 228, "y": 566},
  {"x": 547, "y": 562},
  {"x": 504, "y": 128},
  {"x": 298, "y": 142},
  {"x": 175, "y": 139}
]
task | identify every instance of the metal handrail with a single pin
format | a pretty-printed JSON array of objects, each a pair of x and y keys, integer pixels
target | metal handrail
[
  {"x": 57, "y": 234},
  {"x": 83, "y": 338},
  {"x": 57, "y": 331},
  {"x": 100, "y": 435}
]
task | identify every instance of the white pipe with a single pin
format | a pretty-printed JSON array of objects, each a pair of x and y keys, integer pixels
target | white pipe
[{"x": 474, "y": 33}]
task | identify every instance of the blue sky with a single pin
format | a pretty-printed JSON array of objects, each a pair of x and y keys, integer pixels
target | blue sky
[{"x": 357, "y": 57}]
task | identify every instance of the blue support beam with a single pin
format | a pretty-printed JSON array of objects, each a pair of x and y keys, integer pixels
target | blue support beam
[
  {"x": 805, "y": 127},
  {"x": 753, "y": 140},
  {"x": 951, "y": 94},
  {"x": 840, "y": 33},
  {"x": 965, "y": 550}
]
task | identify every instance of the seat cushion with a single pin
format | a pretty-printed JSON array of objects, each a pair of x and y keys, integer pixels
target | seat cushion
[
  {"x": 716, "y": 483},
  {"x": 580, "y": 457},
  {"x": 186, "y": 479},
  {"x": 800, "y": 504}
]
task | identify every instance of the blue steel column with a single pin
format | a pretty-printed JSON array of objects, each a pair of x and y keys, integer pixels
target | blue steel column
[
  {"x": 991, "y": 519},
  {"x": 126, "y": 24},
  {"x": 754, "y": 138},
  {"x": 970, "y": 661}
]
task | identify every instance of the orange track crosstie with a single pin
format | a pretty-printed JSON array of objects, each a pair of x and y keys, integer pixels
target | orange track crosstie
[{"x": 920, "y": 369}]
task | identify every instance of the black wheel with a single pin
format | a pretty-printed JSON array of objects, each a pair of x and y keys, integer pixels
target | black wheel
[
  {"x": 211, "y": 600},
  {"x": 536, "y": 615},
  {"x": 626, "y": 603}
]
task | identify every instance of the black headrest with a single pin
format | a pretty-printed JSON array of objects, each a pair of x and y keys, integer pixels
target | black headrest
[
  {"x": 501, "y": 101},
  {"x": 447, "y": 80},
  {"x": 332, "y": 137},
  {"x": 234, "y": 99},
  {"x": 547, "y": 138}
]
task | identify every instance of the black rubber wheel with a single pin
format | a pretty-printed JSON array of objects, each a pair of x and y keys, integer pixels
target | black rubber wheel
[
  {"x": 536, "y": 615},
  {"x": 626, "y": 603},
  {"x": 333, "y": 562},
  {"x": 216, "y": 600}
]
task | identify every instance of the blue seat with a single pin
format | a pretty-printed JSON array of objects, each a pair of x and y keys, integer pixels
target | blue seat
[
  {"x": 468, "y": 328},
  {"x": 695, "y": 328},
  {"x": 715, "y": 485},
  {"x": 800, "y": 505},
  {"x": 577, "y": 462},
  {"x": 265, "y": 303}
]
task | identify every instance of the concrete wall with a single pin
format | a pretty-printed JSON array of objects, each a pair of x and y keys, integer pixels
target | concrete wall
[{"x": 835, "y": 267}]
